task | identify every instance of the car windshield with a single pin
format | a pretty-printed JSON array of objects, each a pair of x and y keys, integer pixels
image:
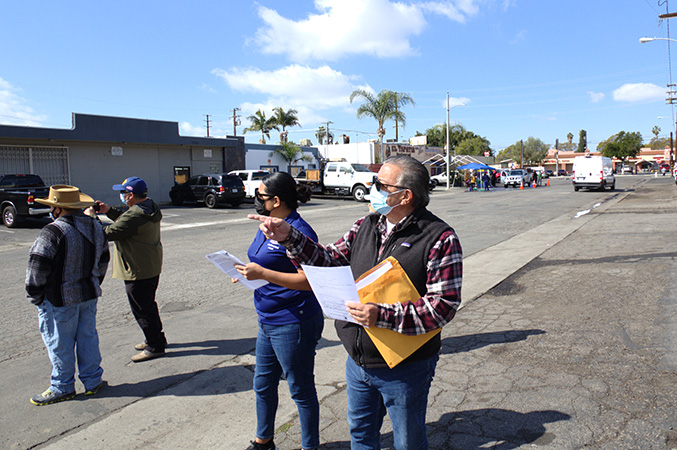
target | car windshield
[
  {"x": 515, "y": 172},
  {"x": 259, "y": 175},
  {"x": 360, "y": 168}
]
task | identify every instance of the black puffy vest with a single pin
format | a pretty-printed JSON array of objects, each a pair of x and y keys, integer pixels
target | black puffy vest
[{"x": 410, "y": 245}]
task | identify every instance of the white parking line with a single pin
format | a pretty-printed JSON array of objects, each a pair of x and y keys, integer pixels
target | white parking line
[{"x": 310, "y": 212}]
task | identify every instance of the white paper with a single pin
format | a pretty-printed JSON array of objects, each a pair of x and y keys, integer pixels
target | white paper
[
  {"x": 227, "y": 262},
  {"x": 333, "y": 287}
]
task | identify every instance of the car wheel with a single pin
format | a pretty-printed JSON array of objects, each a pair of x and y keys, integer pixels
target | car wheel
[
  {"x": 613, "y": 185},
  {"x": 359, "y": 192},
  {"x": 576, "y": 188},
  {"x": 210, "y": 201},
  {"x": 177, "y": 198},
  {"x": 9, "y": 217}
]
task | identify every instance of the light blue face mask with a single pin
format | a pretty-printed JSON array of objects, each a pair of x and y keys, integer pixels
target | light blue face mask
[
  {"x": 378, "y": 200},
  {"x": 122, "y": 198}
]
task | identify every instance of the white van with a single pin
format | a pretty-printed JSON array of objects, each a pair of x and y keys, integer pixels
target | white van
[{"x": 594, "y": 172}]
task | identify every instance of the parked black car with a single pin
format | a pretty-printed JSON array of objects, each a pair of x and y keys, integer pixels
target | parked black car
[
  {"x": 17, "y": 198},
  {"x": 211, "y": 189}
]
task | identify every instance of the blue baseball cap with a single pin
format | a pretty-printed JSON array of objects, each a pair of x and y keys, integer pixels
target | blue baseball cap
[{"x": 135, "y": 185}]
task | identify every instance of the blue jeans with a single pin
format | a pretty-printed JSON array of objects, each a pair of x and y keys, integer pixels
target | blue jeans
[
  {"x": 289, "y": 350},
  {"x": 401, "y": 391},
  {"x": 70, "y": 331}
]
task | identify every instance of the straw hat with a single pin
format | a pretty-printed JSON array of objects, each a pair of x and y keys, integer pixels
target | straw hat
[{"x": 65, "y": 196}]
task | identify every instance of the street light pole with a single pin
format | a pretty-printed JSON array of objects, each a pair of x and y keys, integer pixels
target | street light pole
[
  {"x": 447, "y": 146},
  {"x": 670, "y": 100}
]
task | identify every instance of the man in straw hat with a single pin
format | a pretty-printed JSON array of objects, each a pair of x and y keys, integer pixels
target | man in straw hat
[
  {"x": 66, "y": 266},
  {"x": 137, "y": 259}
]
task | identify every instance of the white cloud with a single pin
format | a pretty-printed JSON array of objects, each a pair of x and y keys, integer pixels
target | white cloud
[
  {"x": 455, "y": 101},
  {"x": 596, "y": 97},
  {"x": 380, "y": 28},
  {"x": 187, "y": 129},
  {"x": 639, "y": 92},
  {"x": 305, "y": 89},
  {"x": 13, "y": 108}
]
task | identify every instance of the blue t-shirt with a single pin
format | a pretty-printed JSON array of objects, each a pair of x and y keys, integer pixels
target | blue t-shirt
[{"x": 277, "y": 305}]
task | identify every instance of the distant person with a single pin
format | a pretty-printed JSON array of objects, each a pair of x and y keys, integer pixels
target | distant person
[
  {"x": 485, "y": 180},
  {"x": 137, "y": 260},
  {"x": 66, "y": 266},
  {"x": 430, "y": 254},
  {"x": 290, "y": 318}
]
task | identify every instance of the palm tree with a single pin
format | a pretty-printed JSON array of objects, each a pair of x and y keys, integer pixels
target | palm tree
[
  {"x": 382, "y": 107},
  {"x": 285, "y": 119},
  {"x": 401, "y": 99},
  {"x": 290, "y": 153},
  {"x": 262, "y": 124},
  {"x": 322, "y": 136}
]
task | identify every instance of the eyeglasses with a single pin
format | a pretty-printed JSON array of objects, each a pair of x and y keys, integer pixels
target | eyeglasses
[
  {"x": 264, "y": 197},
  {"x": 380, "y": 184}
]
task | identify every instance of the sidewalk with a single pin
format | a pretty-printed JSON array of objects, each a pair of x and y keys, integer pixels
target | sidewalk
[{"x": 566, "y": 339}]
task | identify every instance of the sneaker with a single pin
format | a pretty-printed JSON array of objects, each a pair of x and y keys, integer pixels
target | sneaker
[
  {"x": 48, "y": 397},
  {"x": 96, "y": 389},
  {"x": 140, "y": 347},
  {"x": 147, "y": 355},
  {"x": 270, "y": 445}
]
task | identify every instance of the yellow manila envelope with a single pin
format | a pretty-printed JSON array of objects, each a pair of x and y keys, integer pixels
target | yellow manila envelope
[{"x": 387, "y": 282}]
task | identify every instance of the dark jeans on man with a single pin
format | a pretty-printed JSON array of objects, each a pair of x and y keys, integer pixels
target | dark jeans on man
[{"x": 141, "y": 295}]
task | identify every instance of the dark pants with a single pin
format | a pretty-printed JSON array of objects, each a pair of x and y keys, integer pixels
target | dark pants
[{"x": 141, "y": 295}]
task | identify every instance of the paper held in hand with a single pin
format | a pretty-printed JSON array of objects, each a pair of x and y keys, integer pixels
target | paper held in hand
[
  {"x": 227, "y": 262},
  {"x": 387, "y": 282},
  {"x": 333, "y": 287}
]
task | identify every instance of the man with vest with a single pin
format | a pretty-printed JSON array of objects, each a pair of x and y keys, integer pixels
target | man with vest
[{"x": 430, "y": 253}]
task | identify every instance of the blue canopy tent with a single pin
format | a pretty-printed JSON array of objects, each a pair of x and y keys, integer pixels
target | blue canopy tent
[{"x": 475, "y": 166}]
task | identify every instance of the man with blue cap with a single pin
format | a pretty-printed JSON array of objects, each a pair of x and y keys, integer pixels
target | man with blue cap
[{"x": 137, "y": 259}]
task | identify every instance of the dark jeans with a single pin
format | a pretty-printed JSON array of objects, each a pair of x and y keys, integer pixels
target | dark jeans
[{"x": 141, "y": 295}]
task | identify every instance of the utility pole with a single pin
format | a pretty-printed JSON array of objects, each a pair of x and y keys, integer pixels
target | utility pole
[
  {"x": 207, "y": 120},
  {"x": 397, "y": 138},
  {"x": 521, "y": 154},
  {"x": 236, "y": 120},
  {"x": 447, "y": 147},
  {"x": 327, "y": 132}
]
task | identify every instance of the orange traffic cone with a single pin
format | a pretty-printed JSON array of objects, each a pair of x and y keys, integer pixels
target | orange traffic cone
[
  {"x": 547, "y": 182},
  {"x": 534, "y": 185},
  {"x": 521, "y": 184}
]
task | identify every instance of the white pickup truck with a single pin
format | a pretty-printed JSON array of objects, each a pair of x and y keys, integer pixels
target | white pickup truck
[
  {"x": 339, "y": 178},
  {"x": 251, "y": 180}
]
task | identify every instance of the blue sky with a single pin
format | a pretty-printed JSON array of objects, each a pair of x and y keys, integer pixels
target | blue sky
[{"x": 522, "y": 67}]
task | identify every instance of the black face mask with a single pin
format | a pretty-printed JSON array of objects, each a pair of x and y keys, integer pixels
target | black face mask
[{"x": 260, "y": 206}]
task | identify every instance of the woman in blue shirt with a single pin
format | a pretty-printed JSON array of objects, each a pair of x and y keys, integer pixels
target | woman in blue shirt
[{"x": 290, "y": 319}]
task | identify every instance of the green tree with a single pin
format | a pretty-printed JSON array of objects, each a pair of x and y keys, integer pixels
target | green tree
[
  {"x": 534, "y": 151},
  {"x": 476, "y": 145},
  {"x": 285, "y": 119},
  {"x": 437, "y": 136},
  {"x": 621, "y": 145},
  {"x": 382, "y": 107},
  {"x": 259, "y": 122},
  {"x": 321, "y": 135},
  {"x": 656, "y": 142},
  {"x": 582, "y": 141},
  {"x": 290, "y": 153},
  {"x": 656, "y": 130}
]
